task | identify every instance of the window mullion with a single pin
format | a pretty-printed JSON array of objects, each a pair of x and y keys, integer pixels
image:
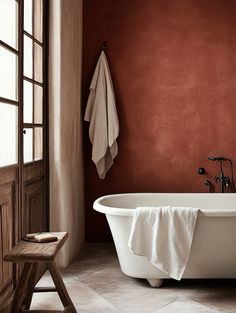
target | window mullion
[
  {"x": 33, "y": 81},
  {"x": 9, "y": 101},
  {"x": 20, "y": 80},
  {"x": 33, "y": 38},
  {"x": 10, "y": 48}
]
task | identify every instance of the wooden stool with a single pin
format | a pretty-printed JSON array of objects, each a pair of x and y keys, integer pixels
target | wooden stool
[{"x": 35, "y": 256}]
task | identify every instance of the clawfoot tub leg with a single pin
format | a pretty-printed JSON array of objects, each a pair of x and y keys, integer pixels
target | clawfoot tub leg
[{"x": 155, "y": 282}]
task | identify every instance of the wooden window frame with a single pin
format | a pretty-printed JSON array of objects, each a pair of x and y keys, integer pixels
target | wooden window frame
[
  {"x": 20, "y": 100},
  {"x": 19, "y": 52},
  {"x": 43, "y": 85}
]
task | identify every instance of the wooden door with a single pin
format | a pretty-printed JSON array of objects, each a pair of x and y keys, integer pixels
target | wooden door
[
  {"x": 23, "y": 129},
  {"x": 10, "y": 112}
]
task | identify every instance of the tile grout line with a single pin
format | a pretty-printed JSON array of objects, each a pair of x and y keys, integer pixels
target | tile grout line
[
  {"x": 210, "y": 307},
  {"x": 96, "y": 293},
  {"x": 102, "y": 296},
  {"x": 156, "y": 311},
  {"x": 121, "y": 310}
]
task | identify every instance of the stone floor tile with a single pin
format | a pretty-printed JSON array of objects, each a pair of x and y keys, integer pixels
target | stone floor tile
[
  {"x": 97, "y": 285},
  {"x": 84, "y": 299},
  {"x": 219, "y": 294},
  {"x": 186, "y": 306}
]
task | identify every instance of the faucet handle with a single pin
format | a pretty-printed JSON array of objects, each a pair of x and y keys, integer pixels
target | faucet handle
[
  {"x": 225, "y": 179},
  {"x": 209, "y": 185},
  {"x": 218, "y": 179}
]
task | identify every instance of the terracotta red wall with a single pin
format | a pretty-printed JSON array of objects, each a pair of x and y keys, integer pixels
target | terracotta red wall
[{"x": 173, "y": 64}]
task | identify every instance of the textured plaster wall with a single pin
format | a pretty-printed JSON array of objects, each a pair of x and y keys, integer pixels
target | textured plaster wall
[{"x": 174, "y": 71}]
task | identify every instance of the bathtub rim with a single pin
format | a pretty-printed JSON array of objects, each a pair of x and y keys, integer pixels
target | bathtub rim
[{"x": 112, "y": 210}]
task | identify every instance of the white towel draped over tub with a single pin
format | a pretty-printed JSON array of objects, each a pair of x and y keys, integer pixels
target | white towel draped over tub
[
  {"x": 164, "y": 236},
  {"x": 102, "y": 114}
]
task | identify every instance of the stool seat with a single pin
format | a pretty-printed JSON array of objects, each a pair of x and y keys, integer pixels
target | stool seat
[
  {"x": 37, "y": 258},
  {"x": 26, "y": 251}
]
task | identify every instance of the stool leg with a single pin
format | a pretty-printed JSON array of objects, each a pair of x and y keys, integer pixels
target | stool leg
[
  {"x": 30, "y": 286},
  {"x": 60, "y": 286},
  {"x": 20, "y": 292}
]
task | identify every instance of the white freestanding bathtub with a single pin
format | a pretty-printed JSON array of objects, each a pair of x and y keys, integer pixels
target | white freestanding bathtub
[{"x": 213, "y": 252}]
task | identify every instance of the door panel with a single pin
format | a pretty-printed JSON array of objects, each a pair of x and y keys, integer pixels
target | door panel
[
  {"x": 6, "y": 221},
  {"x": 34, "y": 207},
  {"x": 34, "y": 197},
  {"x": 8, "y": 226}
]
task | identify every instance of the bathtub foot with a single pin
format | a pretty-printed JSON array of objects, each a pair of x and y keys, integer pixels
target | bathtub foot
[{"x": 155, "y": 282}]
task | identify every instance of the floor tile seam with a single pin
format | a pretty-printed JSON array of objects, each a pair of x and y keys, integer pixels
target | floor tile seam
[
  {"x": 71, "y": 276},
  {"x": 183, "y": 298},
  {"x": 105, "y": 298},
  {"x": 209, "y": 306},
  {"x": 187, "y": 296},
  {"x": 96, "y": 293},
  {"x": 75, "y": 279},
  {"x": 87, "y": 273},
  {"x": 78, "y": 281},
  {"x": 165, "y": 305}
]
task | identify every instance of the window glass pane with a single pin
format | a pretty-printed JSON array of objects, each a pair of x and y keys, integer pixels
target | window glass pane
[
  {"x": 38, "y": 20},
  {"x": 28, "y": 57},
  {"x": 8, "y": 134},
  {"x": 28, "y": 16},
  {"x": 38, "y": 63},
  {"x": 28, "y": 145},
  {"x": 38, "y": 143},
  {"x": 28, "y": 102},
  {"x": 38, "y": 104},
  {"x": 8, "y": 22},
  {"x": 8, "y": 74}
]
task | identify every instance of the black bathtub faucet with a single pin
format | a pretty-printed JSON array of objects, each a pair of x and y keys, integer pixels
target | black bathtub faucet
[{"x": 225, "y": 181}]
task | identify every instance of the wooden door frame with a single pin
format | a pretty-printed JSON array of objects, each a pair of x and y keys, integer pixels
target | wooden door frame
[
  {"x": 46, "y": 107},
  {"x": 13, "y": 174},
  {"x": 44, "y": 85}
]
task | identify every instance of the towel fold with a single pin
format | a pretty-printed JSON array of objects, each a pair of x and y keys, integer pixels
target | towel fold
[
  {"x": 164, "y": 236},
  {"x": 102, "y": 114}
]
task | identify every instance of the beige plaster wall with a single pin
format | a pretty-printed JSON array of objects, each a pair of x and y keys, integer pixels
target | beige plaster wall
[{"x": 65, "y": 129}]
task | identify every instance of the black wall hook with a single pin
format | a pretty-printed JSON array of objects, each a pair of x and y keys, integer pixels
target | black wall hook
[{"x": 104, "y": 45}]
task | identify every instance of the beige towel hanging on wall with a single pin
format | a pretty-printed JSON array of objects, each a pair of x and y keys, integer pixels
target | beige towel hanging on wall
[{"x": 102, "y": 114}]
